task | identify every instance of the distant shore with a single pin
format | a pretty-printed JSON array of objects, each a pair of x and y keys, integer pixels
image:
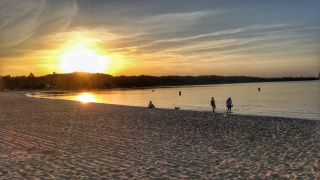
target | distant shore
[
  {"x": 89, "y": 81},
  {"x": 61, "y": 139}
]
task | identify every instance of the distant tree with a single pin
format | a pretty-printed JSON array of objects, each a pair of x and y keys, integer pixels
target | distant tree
[
  {"x": 31, "y": 75},
  {"x": 30, "y": 81},
  {"x": 7, "y": 82}
]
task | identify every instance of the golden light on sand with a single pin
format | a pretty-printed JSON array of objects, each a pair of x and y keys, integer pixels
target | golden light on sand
[
  {"x": 84, "y": 60},
  {"x": 85, "y": 97}
]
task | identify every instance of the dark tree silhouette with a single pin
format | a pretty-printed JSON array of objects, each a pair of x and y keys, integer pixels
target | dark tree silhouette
[{"x": 81, "y": 81}]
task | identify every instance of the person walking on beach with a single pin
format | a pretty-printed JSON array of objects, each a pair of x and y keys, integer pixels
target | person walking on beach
[
  {"x": 213, "y": 104},
  {"x": 151, "y": 105},
  {"x": 229, "y": 105}
]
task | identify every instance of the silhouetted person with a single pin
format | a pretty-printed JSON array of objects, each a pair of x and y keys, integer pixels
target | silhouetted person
[
  {"x": 229, "y": 105},
  {"x": 151, "y": 105},
  {"x": 213, "y": 104}
]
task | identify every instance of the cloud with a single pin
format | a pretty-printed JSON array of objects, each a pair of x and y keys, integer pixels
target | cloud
[
  {"x": 25, "y": 22},
  {"x": 254, "y": 44},
  {"x": 173, "y": 21},
  {"x": 215, "y": 39},
  {"x": 173, "y": 18},
  {"x": 156, "y": 33}
]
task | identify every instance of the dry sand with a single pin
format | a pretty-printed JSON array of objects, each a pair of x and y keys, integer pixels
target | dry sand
[{"x": 59, "y": 139}]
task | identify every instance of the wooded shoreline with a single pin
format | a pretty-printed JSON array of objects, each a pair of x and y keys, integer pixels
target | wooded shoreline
[{"x": 79, "y": 81}]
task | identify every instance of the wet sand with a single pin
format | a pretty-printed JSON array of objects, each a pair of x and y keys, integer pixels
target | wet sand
[{"x": 60, "y": 139}]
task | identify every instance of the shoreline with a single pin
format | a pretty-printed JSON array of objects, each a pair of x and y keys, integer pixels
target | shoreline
[
  {"x": 217, "y": 112},
  {"x": 63, "y": 139}
]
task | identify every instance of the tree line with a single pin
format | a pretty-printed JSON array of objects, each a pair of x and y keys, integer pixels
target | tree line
[{"x": 86, "y": 81}]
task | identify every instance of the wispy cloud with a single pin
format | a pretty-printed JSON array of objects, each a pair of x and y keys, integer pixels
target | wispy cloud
[
  {"x": 174, "y": 18},
  {"x": 173, "y": 21},
  {"x": 215, "y": 39},
  {"x": 24, "y": 22},
  {"x": 246, "y": 45}
]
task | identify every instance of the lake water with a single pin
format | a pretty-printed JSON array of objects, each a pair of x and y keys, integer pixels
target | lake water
[{"x": 299, "y": 99}]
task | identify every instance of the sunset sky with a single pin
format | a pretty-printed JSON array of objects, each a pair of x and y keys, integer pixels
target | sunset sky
[{"x": 270, "y": 38}]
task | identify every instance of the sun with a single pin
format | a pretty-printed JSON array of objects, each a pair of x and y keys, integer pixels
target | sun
[{"x": 83, "y": 60}]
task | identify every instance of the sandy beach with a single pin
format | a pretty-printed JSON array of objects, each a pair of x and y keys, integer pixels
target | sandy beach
[{"x": 60, "y": 139}]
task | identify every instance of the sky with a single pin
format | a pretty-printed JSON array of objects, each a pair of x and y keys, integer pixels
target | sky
[{"x": 271, "y": 38}]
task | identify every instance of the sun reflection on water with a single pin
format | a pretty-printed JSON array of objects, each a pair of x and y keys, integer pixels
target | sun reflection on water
[{"x": 85, "y": 97}]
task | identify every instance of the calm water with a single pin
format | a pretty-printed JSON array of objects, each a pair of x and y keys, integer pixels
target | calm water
[{"x": 284, "y": 99}]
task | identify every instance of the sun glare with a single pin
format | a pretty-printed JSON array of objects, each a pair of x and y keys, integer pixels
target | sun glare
[
  {"x": 85, "y": 97},
  {"x": 84, "y": 60}
]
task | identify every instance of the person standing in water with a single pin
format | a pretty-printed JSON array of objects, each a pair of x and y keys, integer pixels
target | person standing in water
[
  {"x": 229, "y": 105},
  {"x": 213, "y": 104}
]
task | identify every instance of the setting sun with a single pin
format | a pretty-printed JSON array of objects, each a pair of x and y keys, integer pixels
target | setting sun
[{"x": 84, "y": 60}]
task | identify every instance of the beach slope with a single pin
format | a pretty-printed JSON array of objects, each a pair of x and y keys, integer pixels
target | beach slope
[{"x": 60, "y": 139}]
